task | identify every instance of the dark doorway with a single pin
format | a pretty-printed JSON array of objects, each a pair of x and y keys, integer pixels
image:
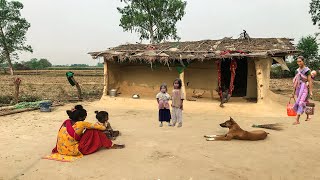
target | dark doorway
[{"x": 240, "y": 81}]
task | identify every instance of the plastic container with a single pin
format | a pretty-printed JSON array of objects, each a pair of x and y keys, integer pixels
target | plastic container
[
  {"x": 113, "y": 92},
  {"x": 290, "y": 110},
  {"x": 45, "y": 106}
]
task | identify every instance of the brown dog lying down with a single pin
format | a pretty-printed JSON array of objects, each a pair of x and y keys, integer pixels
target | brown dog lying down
[{"x": 235, "y": 132}]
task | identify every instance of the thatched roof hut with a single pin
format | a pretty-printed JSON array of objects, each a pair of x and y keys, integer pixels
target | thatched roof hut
[
  {"x": 254, "y": 56},
  {"x": 199, "y": 50}
]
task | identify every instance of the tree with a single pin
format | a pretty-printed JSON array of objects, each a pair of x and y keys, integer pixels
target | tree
[
  {"x": 20, "y": 66},
  {"x": 315, "y": 11},
  {"x": 154, "y": 20},
  {"x": 13, "y": 29},
  {"x": 3, "y": 65},
  {"x": 310, "y": 48},
  {"x": 43, "y": 63},
  {"x": 34, "y": 63},
  {"x": 31, "y": 64},
  {"x": 99, "y": 65},
  {"x": 310, "y": 51},
  {"x": 79, "y": 65}
]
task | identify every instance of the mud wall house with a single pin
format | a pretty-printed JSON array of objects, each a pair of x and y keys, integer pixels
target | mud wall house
[{"x": 141, "y": 68}]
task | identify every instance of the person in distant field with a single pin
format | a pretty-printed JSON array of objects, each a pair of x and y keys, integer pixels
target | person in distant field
[
  {"x": 163, "y": 104},
  {"x": 103, "y": 119},
  {"x": 177, "y": 103},
  {"x": 303, "y": 87}
]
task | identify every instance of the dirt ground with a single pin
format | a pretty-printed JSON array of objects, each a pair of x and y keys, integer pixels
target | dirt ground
[
  {"x": 166, "y": 153},
  {"x": 52, "y": 85}
]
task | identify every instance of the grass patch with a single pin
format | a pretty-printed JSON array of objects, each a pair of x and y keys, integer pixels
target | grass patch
[
  {"x": 29, "y": 98},
  {"x": 6, "y": 99}
]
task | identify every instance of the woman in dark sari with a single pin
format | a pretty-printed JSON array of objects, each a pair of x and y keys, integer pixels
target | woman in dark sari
[{"x": 303, "y": 87}]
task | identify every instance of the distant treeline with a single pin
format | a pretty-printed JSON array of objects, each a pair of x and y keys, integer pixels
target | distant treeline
[
  {"x": 74, "y": 68},
  {"x": 43, "y": 64}
]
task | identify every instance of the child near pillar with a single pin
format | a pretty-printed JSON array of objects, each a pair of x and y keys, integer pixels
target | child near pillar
[{"x": 177, "y": 103}]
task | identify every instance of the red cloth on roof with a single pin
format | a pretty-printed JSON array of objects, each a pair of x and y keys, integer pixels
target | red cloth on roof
[{"x": 233, "y": 67}]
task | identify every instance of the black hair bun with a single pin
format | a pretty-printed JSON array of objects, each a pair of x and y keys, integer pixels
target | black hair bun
[
  {"x": 78, "y": 107},
  {"x": 69, "y": 113},
  {"x": 96, "y": 112}
]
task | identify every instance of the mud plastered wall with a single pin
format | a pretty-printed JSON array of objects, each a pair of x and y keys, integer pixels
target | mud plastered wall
[
  {"x": 263, "y": 68},
  {"x": 136, "y": 78},
  {"x": 200, "y": 77}
]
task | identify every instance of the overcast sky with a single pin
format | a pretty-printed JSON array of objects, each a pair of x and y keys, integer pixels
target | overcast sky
[{"x": 63, "y": 31}]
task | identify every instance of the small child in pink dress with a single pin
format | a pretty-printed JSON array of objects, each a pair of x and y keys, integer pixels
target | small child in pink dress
[{"x": 163, "y": 104}]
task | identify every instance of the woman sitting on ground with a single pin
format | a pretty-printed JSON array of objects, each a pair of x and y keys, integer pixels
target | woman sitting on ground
[{"x": 72, "y": 141}]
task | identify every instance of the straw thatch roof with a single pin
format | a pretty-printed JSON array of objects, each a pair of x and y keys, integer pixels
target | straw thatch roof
[{"x": 200, "y": 50}]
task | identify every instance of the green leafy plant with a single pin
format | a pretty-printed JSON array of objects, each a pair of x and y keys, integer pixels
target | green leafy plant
[
  {"x": 154, "y": 20},
  {"x": 13, "y": 29},
  {"x": 310, "y": 51}
]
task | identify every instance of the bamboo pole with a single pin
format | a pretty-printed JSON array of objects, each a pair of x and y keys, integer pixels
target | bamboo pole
[
  {"x": 106, "y": 78},
  {"x": 16, "y": 82},
  {"x": 183, "y": 88},
  {"x": 78, "y": 88},
  {"x": 6, "y": 108},
  {"x": 10, "y": 110},
  {"x": 15, "y": 111}
]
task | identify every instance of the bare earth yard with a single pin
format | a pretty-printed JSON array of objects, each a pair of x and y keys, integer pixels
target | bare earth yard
[{"x": 165, "y": 153}]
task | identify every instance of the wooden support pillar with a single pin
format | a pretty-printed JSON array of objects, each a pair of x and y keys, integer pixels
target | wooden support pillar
[
  {"x": 183, "y": 88},
  {"x": 106, "y": 78}
]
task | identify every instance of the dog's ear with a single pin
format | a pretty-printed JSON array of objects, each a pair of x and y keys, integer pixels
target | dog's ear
[{"x": 231, "y": 119}]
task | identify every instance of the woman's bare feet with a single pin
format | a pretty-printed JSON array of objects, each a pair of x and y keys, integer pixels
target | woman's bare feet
[
  {"x": 296, "y": 123},
  {"x": 308, "y": 119}
]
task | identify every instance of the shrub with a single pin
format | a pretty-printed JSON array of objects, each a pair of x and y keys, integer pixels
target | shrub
[{"x": 6, "y": 99}]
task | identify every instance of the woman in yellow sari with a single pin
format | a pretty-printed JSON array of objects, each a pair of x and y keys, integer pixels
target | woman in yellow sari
[{"x": 73, "y": 143}]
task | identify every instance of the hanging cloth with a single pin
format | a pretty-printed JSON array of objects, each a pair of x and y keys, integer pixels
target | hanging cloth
[
  {"x": 182, "y": 65},
  {"x": 219, "y": 78},
  {"x": 233, "y": 67},
  {"x": 70, "y": 78}
]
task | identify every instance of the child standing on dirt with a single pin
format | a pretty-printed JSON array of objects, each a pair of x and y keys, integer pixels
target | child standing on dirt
[
  {"x": 177, "y": 103},
  {"x": 163, "y": 104}
]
